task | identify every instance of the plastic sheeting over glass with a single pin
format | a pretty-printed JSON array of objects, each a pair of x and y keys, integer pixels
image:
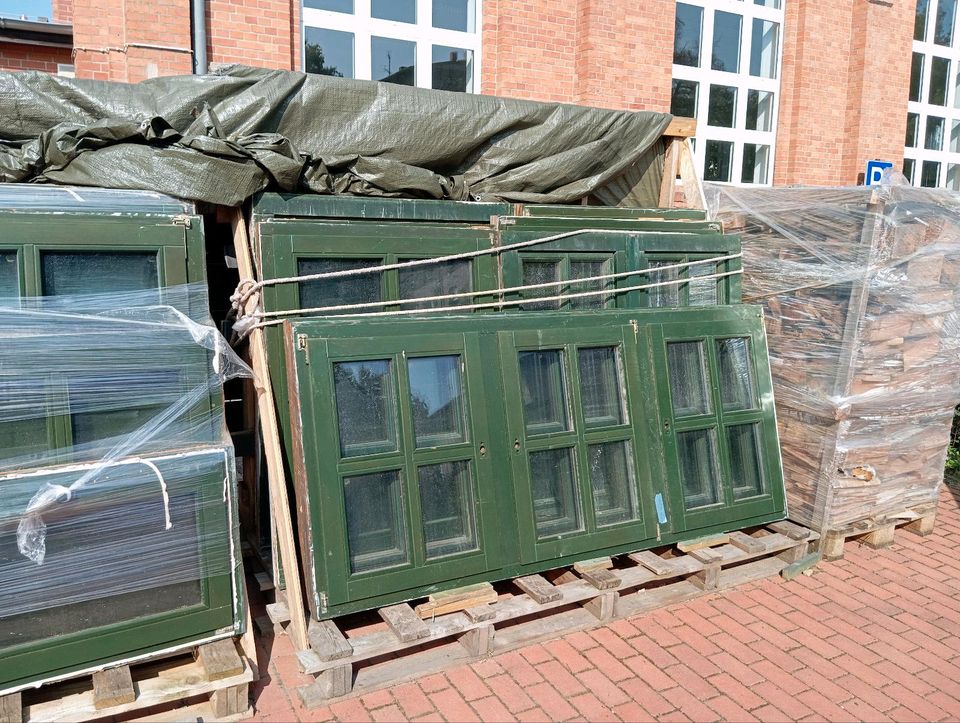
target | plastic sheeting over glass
[
  {"x": 117, "y": 479},
  {"x": 861, "y": 292}
]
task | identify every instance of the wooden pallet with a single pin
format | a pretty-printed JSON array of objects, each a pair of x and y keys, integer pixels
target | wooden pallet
[
  {"x": 537, "y": 608},
  {"x": 878, "y": 533},
  {"x": 213, "y": 678}
]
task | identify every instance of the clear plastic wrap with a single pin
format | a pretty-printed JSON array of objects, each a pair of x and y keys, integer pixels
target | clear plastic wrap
[
  {"x": 117, "y": 477},
  {"x": 860, "y": 287}
]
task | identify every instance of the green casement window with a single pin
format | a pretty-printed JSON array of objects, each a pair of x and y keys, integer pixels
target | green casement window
[
  {"x": 477, "y": 447},
  {"x": 9, "y": 274}
]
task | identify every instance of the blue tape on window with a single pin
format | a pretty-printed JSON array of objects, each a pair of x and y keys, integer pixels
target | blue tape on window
[{"x": 661, "y": 512}]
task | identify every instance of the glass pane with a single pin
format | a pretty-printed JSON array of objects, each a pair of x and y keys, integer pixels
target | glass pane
[
  {"x": 933, "y": 138},
  {"x": 337, "y": 6},
  {"x": 913, "y": 123},
  {"x": 683, "y": 98},
  {"x": 768, "y": 3},
  {"x": 9, "y": 275},
  {"x": 686, "y": 35},
  {"x": 719, "y": 160},
  {"x": 726, "y": 42},
  {"x": 688, "y": 378},
  {"x": 908, "y": 165},
  {"x": 360, "y": 289},
  {"x": 916, "y": 76},
  {"x": 402, "y": 11},
  {"x": 393, "y": 61},
  {"x": 763, "y": 48},
  {"x": 699, "y": 473},
  {"x": 611, "y": 477},
  {"x": 24, "y": 429},
  {"x": 756, "y": 163},
  {"x": 723, "y": 106},
  {"x": 586, "y": 270},
  {"x": 452, "y": 69},
  {"x": 448, "y": 277},
  {"x": 759, "y": 110},
  {"x": 736, "y": 374},
  {"x": 541, "y": 272},
  {"x": 601, "y": 387},
  {"x": 746, "y": 469},
  {"x": 939, "y": 74},
  {"x": 664, "y": 296},
  {"x": 920, "y": 20},
  {"x": 376, "y": 532},
  {"x": 436, "y": 396},
  {"x": 446, "y": 498},
  {"x": 953, "y": 176},
  {"x": 946, "y": 14},
  {"x": 328, "y": 52},
  {"x": 703, "y": 292},
  {"x": 930, "y": 174},
  {"x": 955, "y": 137},
  {"x": 454, "y": 15},
  {"x": 543, "y": 388},
  {"x": 556, "y": 505},
  {"x": 86, "y": 273},
  {"x": 366, "y": 407}
]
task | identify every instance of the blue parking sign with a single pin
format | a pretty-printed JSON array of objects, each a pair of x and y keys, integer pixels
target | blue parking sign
[{"x": 875, "y": 171}]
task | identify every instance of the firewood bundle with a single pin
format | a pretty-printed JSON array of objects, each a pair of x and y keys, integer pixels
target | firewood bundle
[{"x": 861, "y": 291}]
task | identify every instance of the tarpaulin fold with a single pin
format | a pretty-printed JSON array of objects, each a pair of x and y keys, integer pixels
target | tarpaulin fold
[{"x": 220, "y": 138}]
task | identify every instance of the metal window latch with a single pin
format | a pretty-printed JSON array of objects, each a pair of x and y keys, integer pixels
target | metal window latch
[
  {"x": 636, "y": 328},
  {"x": 302, "y": 346},
  {"x": 183, "y": 220}
]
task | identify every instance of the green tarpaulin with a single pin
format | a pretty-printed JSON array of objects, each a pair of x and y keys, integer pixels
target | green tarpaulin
[{"x": 220, "y": 138}]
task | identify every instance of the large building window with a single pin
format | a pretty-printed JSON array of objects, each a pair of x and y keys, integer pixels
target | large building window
[
  {"x": 726, "y": 74},
  {"x": 932, "y": 146},
  {"x": 426, "y": 43}
]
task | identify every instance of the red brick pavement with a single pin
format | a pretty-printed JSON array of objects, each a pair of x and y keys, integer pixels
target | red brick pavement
[{"x": 874, "y": 637}]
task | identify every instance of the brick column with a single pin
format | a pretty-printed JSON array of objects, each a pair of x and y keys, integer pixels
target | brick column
[
  {"x": 844, "y": 86},
  {"x": 265, "y": 33},
  {"x": 607, "y": 53}
]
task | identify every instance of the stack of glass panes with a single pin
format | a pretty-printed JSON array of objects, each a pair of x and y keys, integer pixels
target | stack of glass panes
[{"x": 440, "y": 449}]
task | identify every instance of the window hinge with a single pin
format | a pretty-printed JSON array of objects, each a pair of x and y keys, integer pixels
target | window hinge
[
  {"x": 302, "y": 346},
  {"x": 322, "y": 601},
  {"x": 182, "y": 220},
  {"x": 636, "y": 328}
]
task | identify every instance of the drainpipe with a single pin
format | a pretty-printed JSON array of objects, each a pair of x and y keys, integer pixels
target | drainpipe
[{"x": 198, "y": 36}]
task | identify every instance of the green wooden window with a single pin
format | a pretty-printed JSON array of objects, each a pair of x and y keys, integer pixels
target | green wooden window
[
  {"x": 542, "y": 269},
  {"x": 90, "y": 272},
  {"x": 9, "y": 275},
  {"x": 465, "y": 451},
  {"x": 697, "y": 291}
]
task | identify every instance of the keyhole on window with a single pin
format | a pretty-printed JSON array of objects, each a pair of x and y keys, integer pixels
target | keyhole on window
[
  {"x": 666, "y": 425},
  {"x": 483, "y": 450},
  {"x": 516, "y": 445}
]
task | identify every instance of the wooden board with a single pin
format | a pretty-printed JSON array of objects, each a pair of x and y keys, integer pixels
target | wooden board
[
  {"x": 112, "y": 687},
  {"x": 702, "y": 542},
  {"x": 404, "y": 622},
  {"x": 452, "y": 601}
]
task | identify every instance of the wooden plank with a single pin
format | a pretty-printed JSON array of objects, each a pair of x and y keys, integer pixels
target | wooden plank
[
  {"x": 112, "y": 687},
  {"x": 278, "y": 613},
  {"x": 667, "y": 566},
  {"x": 880, "y": 537},
  {"x": 746, "y": 543},
  {"x": 689, "y": 178},
  {"x": 477, "y": 642},
  {"x": 797, "y": 568},
  {"x": 831, "y": 547},
  {"x": 11, "y": 710},
  {"x": 404, "y": 622},
  {"x": 327, "y": 641},
  {"x": 453, "y": 601},
  {"x": 480, "y": 613},
  {"x": 202, "y": 711},
  {"x": 603, "y": 607},
  {"x": 264, "y": 581},
  {"x": 703, "y": 542},
  {"x": 537, "y": 587},
  {"x": 276, "y": 479},
  {"x": 604, "y": 563},
  {"x": 602, "y": 579},
  {"x": 671, "y": 165},
  {"x": 220, "y": 659},
  {"x": 922, "y": 526},
  {"x": 681, "y": 126},
  {"x": 230, "y": 701},
  {"x": 789, "y": 529},
  {"x": 329, "y": 684}
]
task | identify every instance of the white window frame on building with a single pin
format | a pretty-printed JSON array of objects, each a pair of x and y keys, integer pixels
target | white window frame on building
[
  {"x": 750, "y": 82},
  {"x": 427, "y": 39},
  {"x": 932, "y": 158}
]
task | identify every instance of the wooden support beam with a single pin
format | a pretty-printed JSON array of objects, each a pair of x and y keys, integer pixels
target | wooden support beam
[
  {"x": 689, "y": 177},
  {"x": 682, "y": 127},
  {"x": 922, "y": 526},
  {"x": 113, "y": 686},
  {"x": 230, "y": 701},
  {"x": 220, "y": 659},
  {"x": 831, "y": 546},
  {"x": 604, "y": 563},
  {"x": 478, "y": 641},
  {"x": 709, "y": 577},
  {"x": 537, "y": 587},
  {"x": 603, "y": 607},
  {"x": 331, "y": 683},
  {"x": 276, "y": 479},
  {"x": 671, "y": 165},
  {"x": 795, "y": 569},
  {"x": 404, "y": 622},
  {"x": 601, "y": 578},
  {"x": 452, "y": 601},
  {"x": 11, "y": 708},
  {"x": 880, "y": 537},
  {"x": 327, "y": 641},
  {"x": 480, "y": 613},
  {"x": 743, "y": 541},
  {"x": 703, "y": 542},
  {"x": 790, "y": 529}
]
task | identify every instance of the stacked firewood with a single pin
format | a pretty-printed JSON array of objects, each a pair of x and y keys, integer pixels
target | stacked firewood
[{"x": 861, "y": 289}]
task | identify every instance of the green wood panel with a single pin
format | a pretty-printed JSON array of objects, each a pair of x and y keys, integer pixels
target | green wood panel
[
  {"x": 559, "y": 224},
  {"x": 369, "y": 208},
  {"x": 607, "y": 465},
  {"x": 579, "y": 211}
]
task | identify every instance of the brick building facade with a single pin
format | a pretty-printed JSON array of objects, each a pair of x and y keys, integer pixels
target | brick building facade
[{"x": 785, "y": 91}]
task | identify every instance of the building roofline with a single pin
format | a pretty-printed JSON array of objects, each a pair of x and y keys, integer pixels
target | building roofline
[{"x": 35, "y": 32}]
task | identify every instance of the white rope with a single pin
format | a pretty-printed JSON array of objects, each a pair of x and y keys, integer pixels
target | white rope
[
  {"x": 511, "y": 289},
  {"x": 244, "y": 329}
]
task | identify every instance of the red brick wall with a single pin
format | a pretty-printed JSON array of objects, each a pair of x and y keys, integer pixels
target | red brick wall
[
  {"x": 609, "y": 53},
  {"x": 844, "y": 84},
  {"x": 265, "y": 33},
  {"x": 14, "y": 56},
  {"x": 63, "y": 11}
]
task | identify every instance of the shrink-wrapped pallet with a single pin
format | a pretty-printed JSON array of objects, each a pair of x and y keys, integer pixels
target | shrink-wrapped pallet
[{"x": 860, "y": 288}]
